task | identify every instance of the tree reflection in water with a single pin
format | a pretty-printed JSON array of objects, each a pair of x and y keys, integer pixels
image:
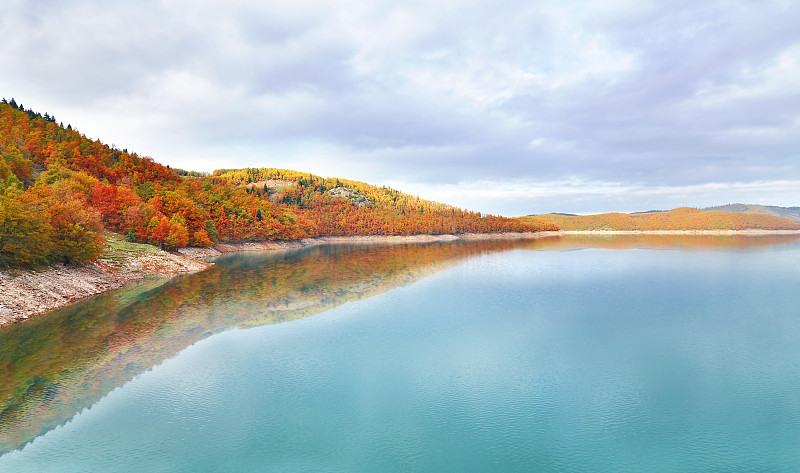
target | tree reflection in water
[{"x": 55, "y": 365}]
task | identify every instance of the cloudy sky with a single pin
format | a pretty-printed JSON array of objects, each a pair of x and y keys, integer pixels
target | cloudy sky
[{"x": 508, "y": 107}]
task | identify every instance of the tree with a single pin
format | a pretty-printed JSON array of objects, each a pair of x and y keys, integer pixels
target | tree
[
  {"x": 177, "y": 235},
  {"x": 25, "y": 236},
  {"x": 19, "y": 164},
  {"x": 77, "y": 231}
]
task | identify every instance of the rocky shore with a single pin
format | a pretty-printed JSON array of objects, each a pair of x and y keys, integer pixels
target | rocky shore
[{"x": 25, "y": 294}]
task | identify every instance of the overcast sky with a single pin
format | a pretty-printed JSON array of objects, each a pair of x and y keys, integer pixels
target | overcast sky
[{"x": 507, "y": 107}]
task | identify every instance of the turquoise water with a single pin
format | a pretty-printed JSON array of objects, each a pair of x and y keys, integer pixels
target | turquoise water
[{"x": 514, "y": 358}]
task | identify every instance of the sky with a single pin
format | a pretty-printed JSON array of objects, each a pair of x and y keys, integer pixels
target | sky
[{"x": 506, "y": 107}]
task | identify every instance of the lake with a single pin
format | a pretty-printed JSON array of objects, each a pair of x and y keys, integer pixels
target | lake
[{"x": 564, "y": 354}]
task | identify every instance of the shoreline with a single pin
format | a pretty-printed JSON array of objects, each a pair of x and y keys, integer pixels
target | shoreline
[
  {"x": 32, "y": 293},
  {"x": 220, "y": 249}
]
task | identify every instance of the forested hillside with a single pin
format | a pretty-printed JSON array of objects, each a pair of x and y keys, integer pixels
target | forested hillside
[
  {"x": 678, "y": 219},
  {"x": 344, "y": 207},
  {"x": 59, "y": 191}
]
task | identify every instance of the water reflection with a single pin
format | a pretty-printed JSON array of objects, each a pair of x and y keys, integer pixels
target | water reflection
[
  {"x": 54, "y": 366},
  {"x": 684, "y": 242}
]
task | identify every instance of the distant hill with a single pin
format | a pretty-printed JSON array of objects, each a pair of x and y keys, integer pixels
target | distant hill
[
  {"x": 788, "y": 212},
  {"x": 678, "y": 219}
]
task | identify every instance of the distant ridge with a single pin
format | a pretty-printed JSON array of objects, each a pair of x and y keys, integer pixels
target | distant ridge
[
  {"x": 683, "y": 218},
  {"x": 788, "y": 212}
]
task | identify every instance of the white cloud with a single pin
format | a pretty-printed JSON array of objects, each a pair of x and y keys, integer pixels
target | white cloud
[
  {"x": 606, "y": 106},
  {"x": 752, "y": 83},
  {"x": 514, "y": 198}
]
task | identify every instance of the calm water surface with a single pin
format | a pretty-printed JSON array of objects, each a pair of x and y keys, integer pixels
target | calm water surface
[{"x": 632, "y": 354}]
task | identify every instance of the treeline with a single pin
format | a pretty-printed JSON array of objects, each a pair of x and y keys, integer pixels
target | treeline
[
  {"x": 683, "y": 218},
  {"x": 60, "y": 190}
]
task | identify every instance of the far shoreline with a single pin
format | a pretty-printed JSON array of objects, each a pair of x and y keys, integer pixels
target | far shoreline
[
  {"x": 748, "y": 232},
  {"x": 277, "y": 245}
]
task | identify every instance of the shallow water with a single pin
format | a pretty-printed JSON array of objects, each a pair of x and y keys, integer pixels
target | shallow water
[{"x": 632, "y": 354}]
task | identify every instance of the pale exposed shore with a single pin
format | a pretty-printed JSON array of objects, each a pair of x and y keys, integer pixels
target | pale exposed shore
[
  {"x": 30, "y": 293},
  {"x": 222, "y": 248}
]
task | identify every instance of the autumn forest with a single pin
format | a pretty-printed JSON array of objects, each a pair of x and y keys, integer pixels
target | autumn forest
[{"x": 60, "y": 191}]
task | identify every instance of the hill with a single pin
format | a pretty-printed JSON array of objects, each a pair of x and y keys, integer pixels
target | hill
[
  {"x": 788, "y": 212},
  {"x": 678, "y": 219},
  {"x": 344, "y": 207},
  {"x": 59, "y": 192}
]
